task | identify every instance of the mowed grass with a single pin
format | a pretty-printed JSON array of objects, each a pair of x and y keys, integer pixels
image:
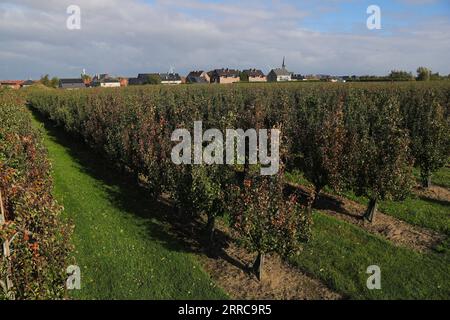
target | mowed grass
[
  {"x": 340, "y": 253},
  {"x": 440, "y": 178},
  {"x": 424, "y": 212},
  {"x": 123, "y": 249}
]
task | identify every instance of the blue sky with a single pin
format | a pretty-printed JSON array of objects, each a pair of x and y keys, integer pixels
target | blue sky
[
  {"x": 125, "y": 37},
  {"x": 341, "y": 16},
  {"x": 349, "y": 16}
]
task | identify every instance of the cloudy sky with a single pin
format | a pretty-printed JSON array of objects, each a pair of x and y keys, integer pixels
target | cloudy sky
[{"x": 126, "y": 37}]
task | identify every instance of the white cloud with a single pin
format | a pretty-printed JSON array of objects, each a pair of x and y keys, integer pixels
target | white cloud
[{"x": 125, "y": 37}]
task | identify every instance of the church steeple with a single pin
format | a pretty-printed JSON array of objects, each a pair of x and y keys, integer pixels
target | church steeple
[{"x": 284, "y": 65}]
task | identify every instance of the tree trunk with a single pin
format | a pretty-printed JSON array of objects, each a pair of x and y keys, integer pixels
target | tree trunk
[
  {"x": 258, "y": 266},
  {"x": 426, "y": 181},
  {"x": 317, "y": 191},
  {"x": 241, "y": 175},
  {"x": 211, "y": 229},
  {"x": 371, "y": 210},
  {"x": 240, "y": 178}
]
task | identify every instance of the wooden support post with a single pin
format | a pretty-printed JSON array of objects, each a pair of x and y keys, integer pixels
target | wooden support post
[
  {"x": 2, "y": 210},
  {"x": 6, "y": 254}
]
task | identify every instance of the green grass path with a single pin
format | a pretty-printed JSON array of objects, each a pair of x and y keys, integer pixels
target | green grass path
[
  {"x": 123, "y": 251},
  {"x": 339, "y": 254}
]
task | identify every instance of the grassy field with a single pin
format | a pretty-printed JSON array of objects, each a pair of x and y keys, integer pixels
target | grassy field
[
  {"x": 340, "y": 253},
  {"x": 426, "y": 213},
  {"x": 124, "y": 252}
]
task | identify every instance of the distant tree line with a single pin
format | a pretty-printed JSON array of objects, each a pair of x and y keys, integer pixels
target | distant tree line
[
  {"x": 51, "y": 83},
  {"x": 423, "y": 74}
]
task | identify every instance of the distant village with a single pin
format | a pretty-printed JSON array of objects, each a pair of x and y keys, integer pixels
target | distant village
[{"x": 217, "y": 76}]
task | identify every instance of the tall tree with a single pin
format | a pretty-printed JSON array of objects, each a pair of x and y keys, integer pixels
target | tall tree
[
  {"x": 429, "y": 129},
  {"x": 319, "y": 138},
  {"x": 51, "y": 83},
  {"x": 153, "y": 79},
  {"x": 377, "y": 149},
  {"x": 244, "y": 77},
  {"x": 267, "y": 222},
  {"x": 423, "y": 74},
  {"x": 45, "y": 80},
  {"x": 87, "y": 79},
  {"x": 54, "y": 82},
  {"x": 398, "y": 75}
]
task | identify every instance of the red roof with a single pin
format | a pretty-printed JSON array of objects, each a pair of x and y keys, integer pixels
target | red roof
[{"x": 11, "y": 82}]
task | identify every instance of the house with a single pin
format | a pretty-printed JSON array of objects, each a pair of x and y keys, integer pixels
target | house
[
  {"x": 135, "y": 82},
  {"x": 170, "y": 78},
  {"x": 109, "y": 83},
  {"x": 164, "y": 78},
  {"x": 27, "y": 84},
  {"x": 312, "y": 77},
  {"x": 298, "y": 77},
  {"x": 123, "y": 82},
  {"x": 12, "y": 84},
  {"x": 225, "y": 76},
  {"x": 255, "y": 75},
  {"x": 71, "y": 84},
  {"x": 105, "y": 81},
  {"x": 103, "y": 76},
  {"x": 198, "y": 77},
  {"x": 280, "y": 74}
]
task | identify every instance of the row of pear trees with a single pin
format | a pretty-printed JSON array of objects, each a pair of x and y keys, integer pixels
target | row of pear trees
[
  {"x": 134, "y": 128},
  {"x": 364, "y": 138},
  {"x": 368, "y": 140},
  {"x": 34, "y": 238}
]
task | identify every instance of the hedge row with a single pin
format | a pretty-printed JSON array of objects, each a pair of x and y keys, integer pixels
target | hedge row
[
  {"x": 34, "y": 239},
  {"x": 363, "y": 137}
]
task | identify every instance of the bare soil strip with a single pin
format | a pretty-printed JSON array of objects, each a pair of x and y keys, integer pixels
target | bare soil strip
[
  {"x": 280, "y": 281},
  {"x": 436, "y": 193},
  {"x": 228, "y": 265},
  {"x": 395, "y": 230}
]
